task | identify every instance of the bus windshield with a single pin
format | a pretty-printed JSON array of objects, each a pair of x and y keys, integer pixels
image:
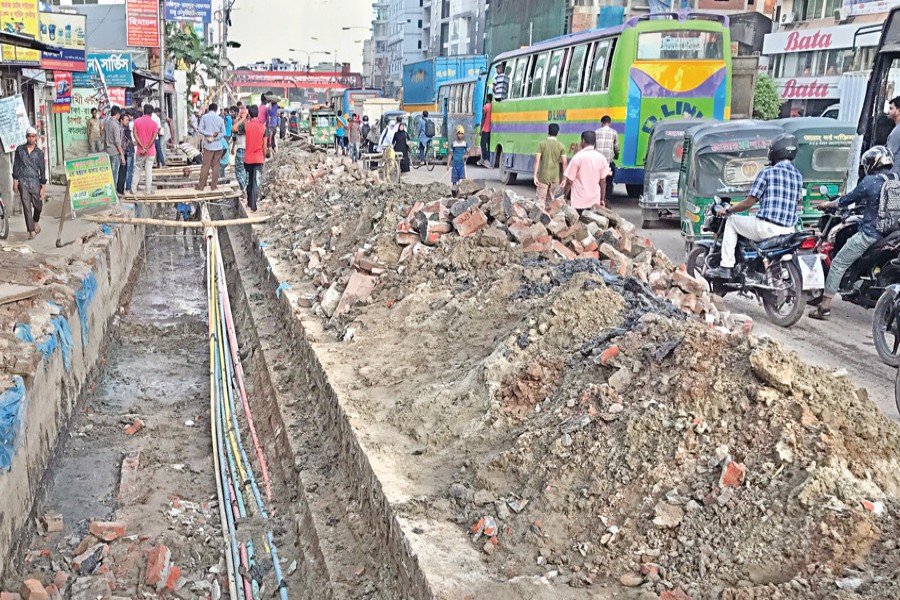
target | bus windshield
[{"x": 683, "y": 44}]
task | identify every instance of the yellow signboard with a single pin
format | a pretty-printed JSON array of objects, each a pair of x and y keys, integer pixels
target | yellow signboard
[
  {"x": 20, "y": 17},
  {"x": 90, "y": 182}
]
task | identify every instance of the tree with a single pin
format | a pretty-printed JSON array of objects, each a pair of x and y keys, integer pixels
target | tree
[
  {"x": 766, "y": 103},
  {"x": 192, "y": 55}
]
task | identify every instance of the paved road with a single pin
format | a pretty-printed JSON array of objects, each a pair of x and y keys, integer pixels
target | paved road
[{"x": 843, "y": 343}]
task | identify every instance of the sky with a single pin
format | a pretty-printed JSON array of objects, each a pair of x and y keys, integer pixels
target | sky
[{"x": 269, "y": 29}]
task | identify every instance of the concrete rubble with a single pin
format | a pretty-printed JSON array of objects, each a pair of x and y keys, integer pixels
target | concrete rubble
[{"x": 597, "y": 418}]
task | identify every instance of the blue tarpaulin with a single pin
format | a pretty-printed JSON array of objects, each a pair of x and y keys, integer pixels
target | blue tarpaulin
[
  {"x": 284, "y": 285},
  {"x": 83, "y": 299},
  {"x": 64, "y": 333},
  {"x": 660, "y": 6},
  {"x": 12, "y": 410},
  {"x": 23, "y": 333},
  {"x": 610, "y": 16}
]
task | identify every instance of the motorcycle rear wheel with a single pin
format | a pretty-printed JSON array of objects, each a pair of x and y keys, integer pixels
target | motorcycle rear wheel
[
  {"x": 897, "y": 391},
  {"x": 885, "y": 324},
  {"x": 794, "y": 304},
  {"x": 696, "y": 260}
]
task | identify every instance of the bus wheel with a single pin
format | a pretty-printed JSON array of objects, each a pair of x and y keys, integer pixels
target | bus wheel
[
  {"x": 634, "y": 190},
  {"x": 506, "y": 177}
]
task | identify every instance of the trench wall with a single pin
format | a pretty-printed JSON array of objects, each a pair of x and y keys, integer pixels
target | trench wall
[{"x": 52, "y": 391}]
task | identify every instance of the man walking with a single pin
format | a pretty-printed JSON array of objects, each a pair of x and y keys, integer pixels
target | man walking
[
  {"x": 608, "y": 146},
  {"x": 550, "y": 154},
  {"x": 126, "y": 169},
  {"x": 341, "y": 123},
  {"x": 95, "y": 133},
  {"x": 146, "y": 134},
  {"x": 486, "y": 133},
  {"x": 160, "y": 152},
  {"x": 501, "y": 83},
  {"x": 30, "y": 180},
  {"x": 212, "y": 128},
  {"x": 586, "y": 175},
  {"x": 255, "y": 138},
  {"x": 112, "y": 142}
]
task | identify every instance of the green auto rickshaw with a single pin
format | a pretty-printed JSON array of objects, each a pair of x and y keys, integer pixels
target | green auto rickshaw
[
  {"x": 661, "y": 168},
  {"x": 720, "y": 159},
  {"x": 438, "y": 142},
  {"x": 322, "y": 127},
  {"x": 823, "y": 151}
]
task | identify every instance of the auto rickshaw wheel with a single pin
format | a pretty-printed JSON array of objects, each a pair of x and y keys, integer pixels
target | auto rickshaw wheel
[{"x": 634, "y": 190}]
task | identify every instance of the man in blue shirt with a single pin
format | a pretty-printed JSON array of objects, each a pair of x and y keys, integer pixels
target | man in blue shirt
[
  {"x": 876, "y": 163},
  {"x": 212, "y": 128},
  {"x": 339, "y": 134},
  {"x": 422, "y": 135},
  {"x": 778, "y": 188},
  {"x": 459, "y": 151}
]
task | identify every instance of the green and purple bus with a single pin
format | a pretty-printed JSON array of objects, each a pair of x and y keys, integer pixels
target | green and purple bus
[{"x": 641, "y": 72}]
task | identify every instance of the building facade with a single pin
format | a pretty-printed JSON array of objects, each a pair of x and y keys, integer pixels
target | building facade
[
  {"x": 406, "y": 40},
  {"x": 456, "y": 27},
  {"x": 511, "y": 24}
]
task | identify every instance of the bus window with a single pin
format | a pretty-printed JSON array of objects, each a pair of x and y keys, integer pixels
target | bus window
[
  {"x": 515, "y": 85},
  {"x": 573, "y": 79},
  {"x": 598, "y": 73},
  {"x": 454, "y": 94},
  {"x": 469, "y": 108},
  {"x": 553, "y": 72},
  {"x": 684, "y": 44},
  {"x": 537, "y": 76}
]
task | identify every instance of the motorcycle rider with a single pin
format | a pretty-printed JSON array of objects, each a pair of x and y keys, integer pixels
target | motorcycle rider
[
  {"x": 876, "y": 163},
  {"x": 778, "y": 188}
]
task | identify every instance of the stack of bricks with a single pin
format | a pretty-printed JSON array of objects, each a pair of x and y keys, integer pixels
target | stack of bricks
[{"x": 501, "y": 218}]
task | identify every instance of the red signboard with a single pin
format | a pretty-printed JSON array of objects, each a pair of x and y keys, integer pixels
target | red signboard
[
  {"x": 297, "y": 80},
  {"x": 142, "y": 23},
  {"x": 63, "y": 102}
]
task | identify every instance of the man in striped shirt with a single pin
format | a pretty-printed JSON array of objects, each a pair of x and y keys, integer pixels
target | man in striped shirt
[{"x": 501, "y": 83}]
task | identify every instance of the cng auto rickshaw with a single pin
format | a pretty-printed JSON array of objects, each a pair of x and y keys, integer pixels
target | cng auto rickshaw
[
  {"x": 322, "y": 127},
  {"x": 720, "y": 159},
  {"x": 661, "y": 168},
  {"x": 823, "y": 151}
]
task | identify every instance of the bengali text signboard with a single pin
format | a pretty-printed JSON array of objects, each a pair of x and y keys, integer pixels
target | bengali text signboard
[
  {"x": 13, "y": 122},
  {"x": 90, "y": 182},
  {"x": 20, "y": 17},
  {"x": 189, "y": 11},
  {"x": 142, "y": 23},
  {"x": 63, "y": 82},
  {"x": 115, "y": 68},
  {"x": 66, "y": 35}
]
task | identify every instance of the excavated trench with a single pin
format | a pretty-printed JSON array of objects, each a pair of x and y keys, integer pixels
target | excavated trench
[{"x": 137, "y": 450}]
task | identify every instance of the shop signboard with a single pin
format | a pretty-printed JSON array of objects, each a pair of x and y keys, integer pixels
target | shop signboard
[
  {"x": 20, "y": 17},
  {"x": 868, "y": 7},
  {"x": 90, "y": 182},
  {"x": 142, "y": 23},
  {"x": 63, "y": 101},
  {"x": 808, "y": 88},
  {"x": 114, "y": 67},
  {"x": 65, "y": 33},
  {"x": 822, "y": 38},
  {"x": 189, "y": 11}
]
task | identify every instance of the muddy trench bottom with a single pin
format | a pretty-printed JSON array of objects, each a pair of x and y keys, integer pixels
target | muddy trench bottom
[{"x": 138, "y": 451}]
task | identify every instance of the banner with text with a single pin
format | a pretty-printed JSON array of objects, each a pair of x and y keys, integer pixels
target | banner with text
[
  {"x": 13, "y": 122},
  {"x": 142, "y": 23},
  {"x": 63, "y": 102},
  {"x": 20, "y": 17},
  {"x": 90, "y": 182},
  {"x": 189, "y": 11},
  {"x": 115, "y": 68},
  {"x": 868, "y": 7},
  {"x": 117, "y": 97},
  {"x": 66, "y": 34}
]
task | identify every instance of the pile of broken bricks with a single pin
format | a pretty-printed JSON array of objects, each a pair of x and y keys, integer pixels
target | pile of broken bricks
[{"x": 501, "y": 218}]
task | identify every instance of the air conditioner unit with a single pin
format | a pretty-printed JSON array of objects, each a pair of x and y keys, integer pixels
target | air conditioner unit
[
  {"x": 787, "y": 18},
  {"x": 840, "y": 15}
]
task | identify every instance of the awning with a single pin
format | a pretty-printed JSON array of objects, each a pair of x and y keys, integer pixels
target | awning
[
  {"x": 148, "y": 74},
  {"x": 25, "y": 41}
]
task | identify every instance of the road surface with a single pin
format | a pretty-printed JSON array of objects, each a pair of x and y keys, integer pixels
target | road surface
[{"x": 843, "y": 343}]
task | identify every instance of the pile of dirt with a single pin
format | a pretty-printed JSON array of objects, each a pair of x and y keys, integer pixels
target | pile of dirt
[{"x": 580, "y": 422}]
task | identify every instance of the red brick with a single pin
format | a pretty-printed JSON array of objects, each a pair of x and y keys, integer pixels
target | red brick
[
  {"x": 676, "y": 594},
  {"x": 648, "y": 568},
  {"x": 686, "y": 282},
  {"x": 407, "y": 239},
  {"x": 590, "y": 244},
  {"x": 107, "y": 530},
  {"x": 470, "y": 222},
  {"x": 404, "y": 227},
  {"x": 544, "y": 240},
  {"x": 61, "y": 579},
  {"x": 588, "y": 255},
  {"x": 159, "y": 567},
  {"x": 53, "y": 592},
  {"x": 10, "y": 596},
  {"x": 576, "y": 246},
  {"x": 52, "y": 522},
  {"x": 535, "y": 247},
  {"x": 358, "y": 289},
  {"x": 561, "y": 250},
  {"x": 609, "y": 354},
  {"x": 32, "y": 589},
  {"x": 174, "y": 577},
  {"x": 519, "y": 232},
  {"x": 134, "y": 427},
  {"x": 732, "y": 474}
]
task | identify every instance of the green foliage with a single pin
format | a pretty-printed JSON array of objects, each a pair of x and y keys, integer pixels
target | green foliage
[
  {"x": 190, "y": 54},
  {"x": 766, "y": 103}
]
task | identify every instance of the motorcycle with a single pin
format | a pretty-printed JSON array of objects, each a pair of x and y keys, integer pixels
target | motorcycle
[
  {"x": 872, "y": 281},
  {"x": 777, "y": 271}
]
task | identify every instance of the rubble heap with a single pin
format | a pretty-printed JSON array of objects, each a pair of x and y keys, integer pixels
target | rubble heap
[{"x": 539, "y": 379}]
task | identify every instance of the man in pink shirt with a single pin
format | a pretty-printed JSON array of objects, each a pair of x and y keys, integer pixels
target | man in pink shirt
[
  {"x": 145, "y": 133},
  {"x": 264, "y": 108},
  {"x": 585, "y": 177}
]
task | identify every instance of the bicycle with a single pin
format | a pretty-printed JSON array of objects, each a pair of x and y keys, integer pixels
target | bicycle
[
  {"x": 429, "y": 159},
  {"x": 4, "y": 221},
  {"x": 390, "y": 170}
]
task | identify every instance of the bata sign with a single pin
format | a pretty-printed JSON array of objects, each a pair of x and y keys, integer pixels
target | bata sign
[
  {"x": 808, "y": 88},
  {"x": 826, "y": 38}
]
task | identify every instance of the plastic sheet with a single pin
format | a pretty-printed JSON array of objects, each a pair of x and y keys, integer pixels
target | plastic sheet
[
  {"x": 12, "y": 410},
  {"x": 23, "y": 333},
  {"x": 284, "y": 285},
  {"x": 106, "y": 229},
  {"x": 83, "y": 299},
  {"x": 64, "y": 333}
]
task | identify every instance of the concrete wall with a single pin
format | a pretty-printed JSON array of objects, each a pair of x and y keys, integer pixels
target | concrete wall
[{"x": 52, "y": 392}]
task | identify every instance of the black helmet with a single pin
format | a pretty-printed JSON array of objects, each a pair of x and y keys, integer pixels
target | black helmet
[
  {"x": 783, "y": 147},
  {"x": 875, "y": 158}
]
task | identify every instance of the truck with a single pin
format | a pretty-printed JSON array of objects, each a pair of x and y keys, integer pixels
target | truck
[
  {"x": 375, "y": 107},
  {"x": 422, "y": 79}
]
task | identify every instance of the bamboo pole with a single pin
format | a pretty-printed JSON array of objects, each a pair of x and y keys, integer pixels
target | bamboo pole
[
  {"x": 179, "y": 195},
  {"x": 170, "y": 223}
]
